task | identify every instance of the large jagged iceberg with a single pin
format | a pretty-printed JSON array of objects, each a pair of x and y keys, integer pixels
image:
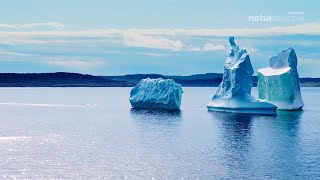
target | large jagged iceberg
[
  {"x": 156, "y": 94},
  {"x": 279, "y": 83},
  {"x": 234, "y": 92}
]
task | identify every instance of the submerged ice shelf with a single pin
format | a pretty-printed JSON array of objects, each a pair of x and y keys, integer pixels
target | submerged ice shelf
[
  {"x": 156, "y": 94},
  {"x": 234, "y": 92},
  {"x": 279, "y": 83}
]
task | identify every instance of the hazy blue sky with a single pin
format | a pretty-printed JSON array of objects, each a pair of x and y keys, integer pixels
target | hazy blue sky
[{"x": 144, "y": 36}]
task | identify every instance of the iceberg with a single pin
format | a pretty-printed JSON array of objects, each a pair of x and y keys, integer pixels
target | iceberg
[
  {"x": 279, "y": 83},
  {"x": 156, "y": 94},
  {"x": 234, "y": 92}
]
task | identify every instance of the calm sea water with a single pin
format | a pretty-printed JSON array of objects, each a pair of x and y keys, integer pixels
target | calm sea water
[{"x": 92, "y": 133}]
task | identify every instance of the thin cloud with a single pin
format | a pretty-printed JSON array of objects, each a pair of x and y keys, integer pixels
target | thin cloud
[
  {"x": 78, "y": 63},
  {"x": 307, "y": 29},
  {"x": 33, "y": 25},
  {"x": 132, "y": 39},
  {"x": 166, "y": 39},
  {"x": 11, "y": 53},
  {"x": 151, "y": 54},
  {"x": 309, "y": 61},
  {"x": 213, "y": 47}
]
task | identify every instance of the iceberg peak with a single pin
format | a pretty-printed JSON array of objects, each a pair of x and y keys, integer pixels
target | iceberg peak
[
  {"x": 287, "y": 58},
  {"x": 237, "y": 56}
]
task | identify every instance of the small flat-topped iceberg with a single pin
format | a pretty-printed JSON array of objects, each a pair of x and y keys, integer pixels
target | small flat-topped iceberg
[
  {"x": 156, "y": 94},
  {"x": 234, "y": 92},
  {"x": 279, "y": 83}
]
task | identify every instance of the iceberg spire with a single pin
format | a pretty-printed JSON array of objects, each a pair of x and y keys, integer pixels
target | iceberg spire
[
  {"x": 234, "y": 92},
  {"x": 232, "y": 42},
  {"x": 237, "y": 77}
]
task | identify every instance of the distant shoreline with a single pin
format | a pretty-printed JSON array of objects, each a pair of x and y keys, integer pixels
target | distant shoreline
[{"x": 65, "y": 79}]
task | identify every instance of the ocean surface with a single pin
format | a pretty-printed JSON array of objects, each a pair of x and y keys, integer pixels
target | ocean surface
[{"x": 92, "y": 133}]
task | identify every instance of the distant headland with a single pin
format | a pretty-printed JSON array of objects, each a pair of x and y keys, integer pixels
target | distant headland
[{"x": 65, "y": 79}]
